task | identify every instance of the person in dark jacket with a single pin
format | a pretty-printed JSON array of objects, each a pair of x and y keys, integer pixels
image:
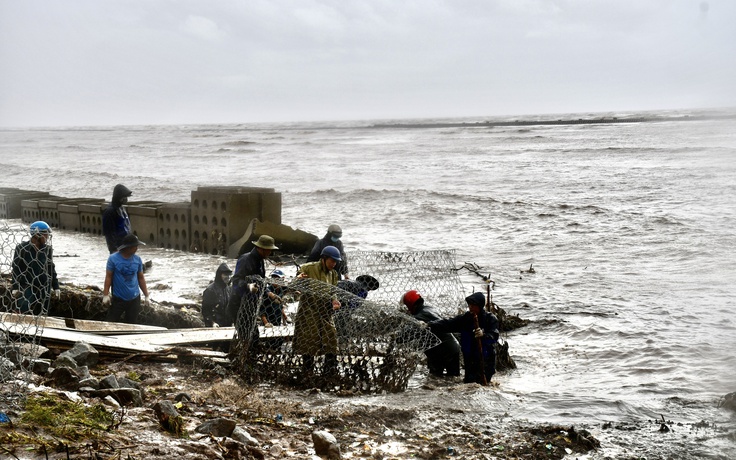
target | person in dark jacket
[
  {"x": 446, "y": 355},
  {"x": 215, "y": 299},
  {"x": 473, "y": 339},
  {"x": 115, "y": 221},
  {"x": 245, "y": 296},
  {"x": 331, "y": 238},
  {"x": 34, "y": 272}
]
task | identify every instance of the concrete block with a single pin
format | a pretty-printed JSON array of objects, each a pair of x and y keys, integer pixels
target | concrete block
[
  {"x": 11, "y": 198},
  {"x": 174, "y": 226},
  {"x": 90, "y": 217},
  {"x": 221, "y": 215},
  {"x": 143, "y": 220}
]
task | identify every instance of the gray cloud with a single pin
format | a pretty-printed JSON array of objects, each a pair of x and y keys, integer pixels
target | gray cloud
[{"x": 154, "y": 61}]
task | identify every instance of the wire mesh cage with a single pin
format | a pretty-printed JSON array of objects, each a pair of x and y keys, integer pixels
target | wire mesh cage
[
  {"x": 349, "y": 336},
  {"x": 27, "y": 272}
]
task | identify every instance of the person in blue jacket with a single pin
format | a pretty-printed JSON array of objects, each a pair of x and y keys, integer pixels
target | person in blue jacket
[
  {"x": 473, "y": 339},
  {"x": 115, "y": 221},
  {"x": 34, "y": 272}
]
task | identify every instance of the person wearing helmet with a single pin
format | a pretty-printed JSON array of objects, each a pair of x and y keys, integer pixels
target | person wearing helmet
[
  {"x": 215, "y": 299},
  {"x": 247, "y": 281},
  {"x": 478, "y": 367},
  {"x": 34, "y": 272},
  {"x": 314, "y": 326},
  {"x": 446, "y": 355},
  {"x": 115, "y": 221},
  {"x": 124, "y": 273},
  {"x": 331, "y": 238}
]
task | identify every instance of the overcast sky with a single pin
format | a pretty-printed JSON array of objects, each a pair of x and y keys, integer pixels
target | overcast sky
[{"x": 160, "y": 62}]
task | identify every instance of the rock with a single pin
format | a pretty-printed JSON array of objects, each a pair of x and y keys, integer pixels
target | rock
[
  {"x": 326, "y": 444},
  {"x": 728, "y": 401},
  {"x": 109, "y": 382},
  {"x": 39, "y": 366},
  {"x": 165, "y": 411},
  {"x": 64, "y": 377},
  {"x": 83, "y": 354},
  {"x": 183, "y": 397},
  {"x": 219, "y": 427},
  {"x": 124, "y": 396},
  {"x": 65, "y": 361},
  {"x": 6, "y": 369},
  {"x": 90, "y": 382},
  {"x": 110, "y": 402},
  {"x": 239, "y": 434}
]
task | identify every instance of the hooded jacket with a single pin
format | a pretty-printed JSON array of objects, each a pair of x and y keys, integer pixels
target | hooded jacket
[
  {"x": 448, "y": 349},
  {"x": 215, "y": 299},
  {"x": 115, "y": 220},
  {"x": 316, "y": 254}
]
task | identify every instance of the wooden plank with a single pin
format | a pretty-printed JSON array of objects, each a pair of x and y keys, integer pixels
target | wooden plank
[
  {"x": 126, "y": 344},
  {"x": 173, "y": 337},
  {"x": 41, "y": 321},
  {"x": 106, "y": 327}
]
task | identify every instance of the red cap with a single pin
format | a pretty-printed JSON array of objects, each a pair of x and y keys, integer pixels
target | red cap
[{"x": 410, "y": 299}]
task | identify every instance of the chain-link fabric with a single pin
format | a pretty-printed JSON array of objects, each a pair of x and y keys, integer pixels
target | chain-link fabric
[
  {"x": 23, "y": 309},
  {"x": 369, "y": 344}
]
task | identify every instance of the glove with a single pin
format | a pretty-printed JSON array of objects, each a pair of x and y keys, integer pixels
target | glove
[
  {"x": 57, "y": 293},
  {"x": 423, "y": 325},
  {"x": 15, "y": 293},
  {"x": 106, "y": 299},
  {"x": 215, "y": 325},
  {"x": 253, "y": 288},
  {"x": 478, "y": 333},
  {"x": 268, "y": 325},
  {"x": 146, "y": 302},
  {"x": 276, "y": 299}
]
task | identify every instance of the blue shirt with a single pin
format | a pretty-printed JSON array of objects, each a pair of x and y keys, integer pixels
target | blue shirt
[{"x": 125, "y": 275}]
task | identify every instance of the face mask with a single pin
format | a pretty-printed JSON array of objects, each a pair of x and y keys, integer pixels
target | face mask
[{"x": 335, "y": 239}]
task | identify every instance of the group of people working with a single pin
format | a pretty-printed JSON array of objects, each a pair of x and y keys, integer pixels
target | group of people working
[
  {"x": 34, "y": 280},
  {"x": 315, "y": 332}
]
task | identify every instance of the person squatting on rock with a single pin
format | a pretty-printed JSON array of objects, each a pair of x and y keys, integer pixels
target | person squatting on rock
[
  {"x": 331, "y": 238},
  {"x": 476, "y": 364},
  {"x": 34, "y": 272},
  {"x": 124, "y": 272},
  {"x": 115, "y": 221},
  {"x": 250, "y": 270},
  {"x": 314, "y": 327},
  {"x": 215, "y": 299},
  {"x": 446, "y": 355}
]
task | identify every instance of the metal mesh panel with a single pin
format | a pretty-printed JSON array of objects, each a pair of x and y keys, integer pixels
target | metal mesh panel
[
  {"x": 369, "y": 344},
  {"x": 23, "y": 309}
]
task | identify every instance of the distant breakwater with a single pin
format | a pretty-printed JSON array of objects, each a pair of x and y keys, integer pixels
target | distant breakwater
[{"x": 557, "y": 122}]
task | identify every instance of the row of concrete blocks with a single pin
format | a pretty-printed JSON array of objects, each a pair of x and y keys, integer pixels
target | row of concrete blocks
[{"x": 215, "y": 218}]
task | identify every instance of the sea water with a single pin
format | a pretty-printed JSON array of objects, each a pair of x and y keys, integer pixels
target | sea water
[{"x": 629, "y": 228}]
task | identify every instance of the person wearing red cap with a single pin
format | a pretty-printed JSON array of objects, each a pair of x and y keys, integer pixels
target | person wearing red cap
[
  {"x": 446, "y": 355},
  {"x": 476, "y": 342}
]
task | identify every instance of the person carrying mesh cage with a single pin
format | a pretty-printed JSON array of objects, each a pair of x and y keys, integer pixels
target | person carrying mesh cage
[
  {"x": 478, "y": 332},
  {"x": 247, "y": 282},
  {"x": 34, "y": 273},
  {"x": 446, "y": 355},
  {"x": 314, "y": 326}
]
